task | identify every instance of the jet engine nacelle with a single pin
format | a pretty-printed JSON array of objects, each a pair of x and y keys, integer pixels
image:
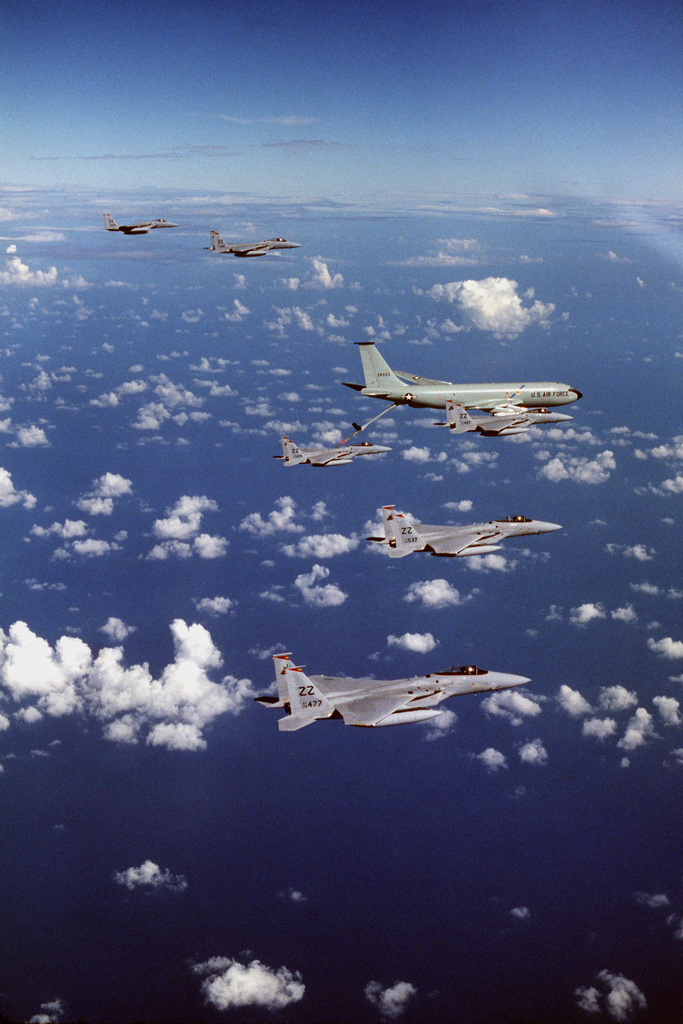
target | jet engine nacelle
[{"x": 481, "y": 549}]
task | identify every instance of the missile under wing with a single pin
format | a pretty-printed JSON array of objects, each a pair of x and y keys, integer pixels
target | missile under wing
[
  {"x": 373, "y": 702},
  {"x": 293, "y": 455},
  {"x": 136, "y": 229},
  {"x": 403, "y": 536},
  {"x": 422, "y": 393}
]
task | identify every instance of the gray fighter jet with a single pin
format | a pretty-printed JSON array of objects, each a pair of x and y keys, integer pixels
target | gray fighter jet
[
  {"x": 499, "y": 423},
  {"x": 373, "y": 702},
  {"x": 250, "y": 248},
  {"x": 402, "y": 535},
  {"x": 292, "y": 455},
  {"x": 136, "y": 229},
  {"x": 408, "y": 389}
]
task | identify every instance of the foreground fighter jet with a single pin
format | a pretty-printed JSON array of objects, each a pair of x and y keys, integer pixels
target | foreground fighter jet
[
  {"x": 292, "y": 455},
  {"x": 250, "y": 248},
  {"x": 373, "y": 702},
  {"x": 408, "y": 389},
  {"x": 499, "y": 423},
  {"x": 135, "y": 229},
  {"x": 403, "y": 536}
]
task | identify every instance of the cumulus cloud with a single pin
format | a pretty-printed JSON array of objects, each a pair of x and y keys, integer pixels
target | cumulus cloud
[
  {"x": 99, "y": 501},
  {"x": 51, "y": 1012},
  {"x": 613, "y": 993},
  {"x": 492, "y": 759},
  {"x": 572, "y": 702},
  {"x": 322, "y": 278},
  {"x": 213, "y": 605},
  {"x": 512, "y": 705},
  {"x": 281, "y": 518},
  {"x": 667, "y": 648},
  {"x": 669, "y": 709},
  {"x": 434, "y": 594},
  {"x": 179, "y": 531},
  {"x": 325, "y": 545},
  {"x": 617, "y": 698},
  {"x": 391, "y": 1002},
  {"x": 640, "y": 729},
  {"x": 418, "y": 643},
  {"x": 10, "y": 496},
  {"x": 18, "y": 273},
  {"x": 521, "y": 913},
  {"x": 586, "y": 613},
  {"x": 32, "y": 437},
  {"x": 493, "y": 304},
  {"x": 116, "y": 629},
  {"x": 599, "y": 728},
  {"x": 441, "y": 726},
  {"x": 229, "y": 984},
  {"x": 580, "y": 470},
  {"x": 533, "y": 752},
  {"x": 327, "y": 596},
  {"x": 150, "y": 876},
  {"x": 171, "y": 711}
]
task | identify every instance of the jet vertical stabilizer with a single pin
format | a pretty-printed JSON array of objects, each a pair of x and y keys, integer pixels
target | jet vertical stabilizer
[
  {"x": 306, "y": 701},
  {"x": 378, "y": 374}
]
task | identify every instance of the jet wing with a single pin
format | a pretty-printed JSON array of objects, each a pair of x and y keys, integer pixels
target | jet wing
[
  {"x": 369, "y": 710},
  {"x": 413, "y": 378},
  {"x": 455, "y": 543},
  {"x": 328, "y": 458}
]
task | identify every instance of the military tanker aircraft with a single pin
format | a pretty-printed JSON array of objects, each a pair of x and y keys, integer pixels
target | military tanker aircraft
[
  {"x": 373, "y": 702},
  {"x": 402, "y": 388}
]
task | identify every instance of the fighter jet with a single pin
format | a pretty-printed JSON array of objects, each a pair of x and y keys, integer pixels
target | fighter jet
[
  {"x": 249, "y": 248},
  {"x": 373, "y": 702},
  {"x": 408, "y": 389},
  {"x": 499, "y": 423},
  {"x": 292, "y": 455},
  {"x": 402, "y": 535},
  {"x": 136, "y": 229}
]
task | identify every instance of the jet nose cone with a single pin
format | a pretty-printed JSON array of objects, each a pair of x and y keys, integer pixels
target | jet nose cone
[
  {"x": 547, "y": 527},
  {"x": 504, "y": 680},
  {"x": 577, "y": 394}
]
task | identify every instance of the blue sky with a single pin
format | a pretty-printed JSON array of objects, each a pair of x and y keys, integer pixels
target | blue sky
[
  {"x": 490, "y": 192},
  {"x": 341, "y": 101}
]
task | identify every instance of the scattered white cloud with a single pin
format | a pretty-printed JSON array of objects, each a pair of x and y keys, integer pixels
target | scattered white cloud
[
  {"x": 418, "y": 643},
  {"x": 281, "y": 518},
  {"x": 617, "y": 698},
  {"x": 612, "y": 993},
  {"x": 322, "y": 278},
  {"x": 493, "y": 304},
  {"x": 640, "y": 729},
  {"x": 18, "y": 273},
  {"x": 521, "y": 913},
  {"x": 171, "y": 711},
  {"x": 599, "y": 728},
  {"x": 586, "y": 613},
  {"x": 325, "y": 545},
  {"x": 327, "y": 596},
  {"x": 51, "y": 1012},
  {"x": 213, "y": 605},
  {"x": 391, "y": 1002},
  {"x": 572, "y": 702},
  {"x": 654, "y": 902},
  {"x": 32, "y": 437},
  {"x": 150, "y": 876},
  {"x": 9, "y": 496},
  {"x": 580, "y": 469},
  {"x": 512, "y": 705},
  {"x": 439, "y": 727},
  {"x": 669, "y": 709},
  {"x": 434, "y": 594},
  {"x": 667, "y": 648},
  {"x": 229, "y": 984},
  {"x": 533, "y": 752},
  {"x": 116, "y": 629},
  {"x": 492, "y": 759}
]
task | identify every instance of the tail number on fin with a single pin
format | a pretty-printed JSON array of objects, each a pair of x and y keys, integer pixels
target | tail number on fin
[
  {"x": 408, "y": 535},
  {"x": 309, "y": 691}
]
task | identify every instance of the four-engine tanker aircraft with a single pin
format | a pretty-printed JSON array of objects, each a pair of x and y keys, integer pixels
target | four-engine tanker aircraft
[
  {"x": 136, "y": 229},
  {"x": 250, "y": 248},
  {"x": 293, "y": 455},
  {"x": 498, "y": 423},
  {"x": 373, "y": 702},
  {"x": 409, "y": 389},
  {"x": 403, "y": 536}
]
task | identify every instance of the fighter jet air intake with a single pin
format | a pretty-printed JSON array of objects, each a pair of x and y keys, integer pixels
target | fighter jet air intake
[
  {"x": 136, "y": 229},
  {"x": 402, "y": 535},
  {"x": 250, "y": 248},
  {"x": 373, "y": 702},
  {"x": 292, "y": 455},
  {"x": 422, "y": 393}
]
